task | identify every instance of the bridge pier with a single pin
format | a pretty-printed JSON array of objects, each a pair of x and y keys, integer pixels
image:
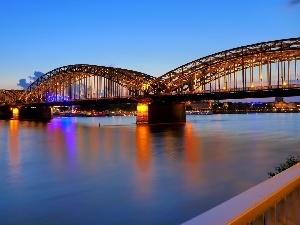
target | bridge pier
[
  {"x": 35, "y": 113},
  {"x": 6, "y": 113},
  {"x": 160, "y": 113}
]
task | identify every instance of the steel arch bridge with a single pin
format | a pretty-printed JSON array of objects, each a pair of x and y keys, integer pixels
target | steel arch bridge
[
  {"x": 253, "y": 68},
  {"x": 264, "y": 65},
  {"x": 83, "y": 81}
]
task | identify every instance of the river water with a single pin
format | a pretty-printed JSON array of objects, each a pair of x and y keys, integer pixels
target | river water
[{"x": 71, "y": 171}]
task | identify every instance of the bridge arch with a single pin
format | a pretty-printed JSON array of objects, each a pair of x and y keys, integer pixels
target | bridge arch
[
  {"x": 261, "y": 65},
  {"x": 83, "y": 81}
]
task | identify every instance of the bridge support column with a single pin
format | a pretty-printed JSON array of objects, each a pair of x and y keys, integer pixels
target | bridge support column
[
  {"x": 35, "y": 113},
  {"x": 160, "y": 112},
  {"x": 6, "y": 113}
]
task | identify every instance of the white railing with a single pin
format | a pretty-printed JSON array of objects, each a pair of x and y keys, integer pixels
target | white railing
[{"x": 274, "y": 201}]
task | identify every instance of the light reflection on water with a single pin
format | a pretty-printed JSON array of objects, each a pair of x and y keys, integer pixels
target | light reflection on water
[
  {"x": 14, "y": 157},
  {"x": 71, "y": 171}
]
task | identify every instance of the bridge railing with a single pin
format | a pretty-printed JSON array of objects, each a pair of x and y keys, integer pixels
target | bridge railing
[
  {"x": 237, "y": 89},
  {"x": 274, "y": 201}
]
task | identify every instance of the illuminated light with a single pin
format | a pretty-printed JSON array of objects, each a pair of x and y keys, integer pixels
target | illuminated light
[
  {"x": 252, "y": 85},
  {"x": 142, "y": 113},
  {"x": 15, "y": 113},
  {"x": 142, "y": 108},
  {"x": 284, "y": 83},
  {"x": 145, "y": 86}
]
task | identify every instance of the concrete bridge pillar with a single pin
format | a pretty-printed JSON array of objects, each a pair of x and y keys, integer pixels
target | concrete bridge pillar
[
  {"x": 6, "y": 112},
  {"x": 35, "y": 113},
  {"x": 160, "y": 113}
]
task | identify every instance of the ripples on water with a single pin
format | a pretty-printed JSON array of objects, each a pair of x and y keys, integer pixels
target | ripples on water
[{"x": 71, "y": 171}]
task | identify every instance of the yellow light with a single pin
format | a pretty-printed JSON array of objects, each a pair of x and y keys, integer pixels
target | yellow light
[
  {"x": 284, "y": 83},
  {"x": 15, "y": 113},
  {"x": 142, "y": 108},
  {"x": 142, "y": 113},
  {"x": 252, "y": 85},
  {"x": 145, "y": 86}
]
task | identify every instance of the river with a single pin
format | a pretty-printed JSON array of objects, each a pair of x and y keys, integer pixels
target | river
[{"x": 73, "y": 171}]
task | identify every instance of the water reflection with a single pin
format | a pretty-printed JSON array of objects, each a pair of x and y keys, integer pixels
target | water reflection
[
  {"x": 193, "y": 145},
  {"x": 108, "y": 142},
  {"x": 65, "y": 135},
  {"x": 125, "y": 142},
  {"x": 143, "y": 147},
  {"x": 167, "y": 140},
  {"x": 144, "y": 180},
  {"x": 58, "y": 136},
  {"x": 14, "y": 151},
  {"x": 132, "y": 174},
  {"x": 193, "y": 159},
  {"x": 174, "y": 147}
]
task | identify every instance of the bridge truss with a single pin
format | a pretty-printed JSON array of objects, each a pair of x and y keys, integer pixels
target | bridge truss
[
  {"x": 265, "y": 65},
  {"x": 82, "y": 81},
  {"x": 10, "y": 96}
]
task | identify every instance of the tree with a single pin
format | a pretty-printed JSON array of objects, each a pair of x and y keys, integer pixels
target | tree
[{"x": 290, "y": 161}]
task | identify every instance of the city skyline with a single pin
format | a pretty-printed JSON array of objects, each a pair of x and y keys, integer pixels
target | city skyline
[{"x": 153, "y": 38}]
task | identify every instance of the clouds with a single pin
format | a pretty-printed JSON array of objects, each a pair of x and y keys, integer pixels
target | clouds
[
  {"x": 23, "y": 83},
  {"x": 294, "y": 2},
  {"x": 36, "y": 75}
]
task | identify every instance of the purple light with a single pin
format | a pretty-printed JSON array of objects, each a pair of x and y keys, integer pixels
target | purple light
[{"x": 57, "y": 98}]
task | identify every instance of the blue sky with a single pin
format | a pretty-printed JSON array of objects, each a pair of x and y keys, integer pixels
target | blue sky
[{"x": 153, "y": 37}]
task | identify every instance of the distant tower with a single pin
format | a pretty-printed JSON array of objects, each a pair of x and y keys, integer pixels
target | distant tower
[{"x": 278, "y": 99}]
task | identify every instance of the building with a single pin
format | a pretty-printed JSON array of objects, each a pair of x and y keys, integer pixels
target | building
[{"x": 278, "y": 99}]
